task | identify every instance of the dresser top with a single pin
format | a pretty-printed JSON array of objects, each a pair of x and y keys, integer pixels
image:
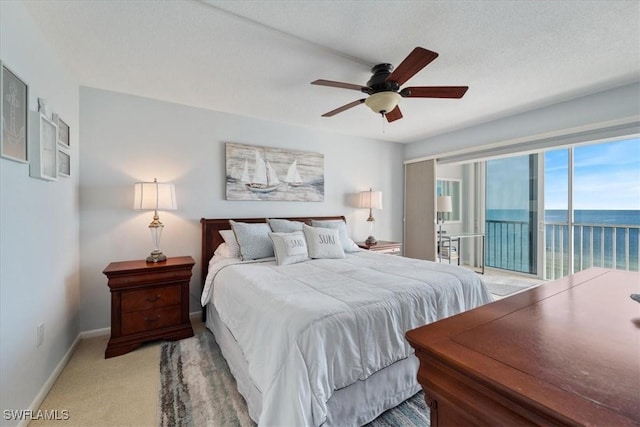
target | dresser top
[
  {"x": 144, "y": 266},
  {"x": 571, "y": 345}
]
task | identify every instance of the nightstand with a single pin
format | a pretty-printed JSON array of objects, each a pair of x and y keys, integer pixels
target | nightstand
[
  {"x": 149, "y": 301},
  {"x": 391, "y": 248}
]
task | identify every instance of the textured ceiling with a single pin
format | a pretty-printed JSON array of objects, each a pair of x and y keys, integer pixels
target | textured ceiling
[{"x": 257, "y": 58}]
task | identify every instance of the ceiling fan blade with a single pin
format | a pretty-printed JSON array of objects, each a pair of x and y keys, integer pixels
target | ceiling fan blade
[
  {"x": 434, "y": 92},
  {"x": 343, "y": 108},
  {"x": 416, "y": 61},
  {"x": 340, "y": 85},
  {"x": 394, "y": 114}
]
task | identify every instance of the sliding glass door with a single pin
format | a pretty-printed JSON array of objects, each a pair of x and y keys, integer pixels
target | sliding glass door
[
  {"x": 511, "y": 213},
  {"x": 592, "y": 208},
  {"x": 559, "y": 211}
]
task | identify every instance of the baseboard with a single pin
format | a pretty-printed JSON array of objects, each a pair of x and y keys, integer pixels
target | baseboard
[
  {"x": 35, "y": 405},
  {"x": 95, "y": 333},
  {"x": 195, "y": 316}
]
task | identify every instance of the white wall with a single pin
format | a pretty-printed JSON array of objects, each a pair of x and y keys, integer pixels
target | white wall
[
  {"x": 128, "y": 139},
  {"x": 39, "y": 234},
  {"x": 613, "y": 104}
]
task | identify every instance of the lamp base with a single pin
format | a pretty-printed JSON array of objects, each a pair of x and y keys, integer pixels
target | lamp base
[
  {"x": 156, "y": 256},
  {"x": 371, "y": 241}
]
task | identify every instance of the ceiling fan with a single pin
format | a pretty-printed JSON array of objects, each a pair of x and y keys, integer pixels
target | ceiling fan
[{"x": 384, "y": 86}]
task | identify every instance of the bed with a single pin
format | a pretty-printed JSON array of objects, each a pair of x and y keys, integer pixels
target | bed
[{"x": 321, "y": 342}]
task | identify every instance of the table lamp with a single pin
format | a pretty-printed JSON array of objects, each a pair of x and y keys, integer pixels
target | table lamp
[
  {"x": 370, "y": 200},
  {"x": 155, "y": 196}
]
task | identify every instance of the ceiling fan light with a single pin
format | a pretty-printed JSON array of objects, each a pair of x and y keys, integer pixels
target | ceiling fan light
[{"x": 383, "y": 102}]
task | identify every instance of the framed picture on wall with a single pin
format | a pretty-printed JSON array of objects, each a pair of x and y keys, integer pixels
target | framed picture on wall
[
  {"x": 64, "y": 164},
  {"x": 14, "y": 93},
  {"x": 44, "y": 147},
  {"x": 63, "y": 131},
  {"x": 268, "y": 173}
]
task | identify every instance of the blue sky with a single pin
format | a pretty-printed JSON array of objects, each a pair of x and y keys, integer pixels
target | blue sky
[{"x": 606, "y": 177}]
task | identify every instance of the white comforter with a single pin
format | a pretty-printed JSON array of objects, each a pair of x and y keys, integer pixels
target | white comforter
[{"x": 311, "y": 328}]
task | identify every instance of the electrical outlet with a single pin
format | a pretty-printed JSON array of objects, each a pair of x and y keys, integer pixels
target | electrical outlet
[{"x": 40, "y": 330}]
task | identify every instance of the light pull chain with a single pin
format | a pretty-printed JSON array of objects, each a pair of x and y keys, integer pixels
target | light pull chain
[{"x": 383, "y": 122}]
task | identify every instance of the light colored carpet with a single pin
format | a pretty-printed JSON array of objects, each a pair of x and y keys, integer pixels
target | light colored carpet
[
  {"x": 197, "y": 389},
  {"x": 120, "y": 391},
  {"x": 117, "y": 392}
]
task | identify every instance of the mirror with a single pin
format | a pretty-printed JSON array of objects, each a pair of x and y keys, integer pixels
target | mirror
[{"x": 453, "y": 188}]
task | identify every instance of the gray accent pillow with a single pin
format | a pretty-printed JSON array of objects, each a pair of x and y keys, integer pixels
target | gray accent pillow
[
  {"x": 253, "y": 239},
  {"x": 323, "y": 242},
  {"x": 348, "y": 245},
  {"x": 289, "y": 248},
  {"x": 284, "y": 225}
]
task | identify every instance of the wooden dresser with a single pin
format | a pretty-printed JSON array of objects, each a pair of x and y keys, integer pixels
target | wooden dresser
[
  {"x": 149, "y": 301},
  {"x": 565, "y": 353}
]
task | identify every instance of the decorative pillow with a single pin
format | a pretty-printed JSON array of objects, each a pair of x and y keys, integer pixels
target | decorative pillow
[
  {"x": 229, "y": 238},
  {"x": 290, "y": 248},
  {"x": 284, "y": 225},
  {"x": 224, "y": 251},
  {"x": 347, "y": 244},
  {"x": 323, "y": 242},
  {"x": 253, "y": 239}
]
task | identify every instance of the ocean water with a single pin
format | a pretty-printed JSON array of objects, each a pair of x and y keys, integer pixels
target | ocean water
[
  {"x": 628, "y": 217},
  {"x": 613, "y": 217},
  {"x": 602, "y": 238}
]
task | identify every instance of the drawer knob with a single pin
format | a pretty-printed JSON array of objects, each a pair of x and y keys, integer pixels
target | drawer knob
[
  {"x": 153, "y": 299},
  {"x": 152, "y": 319}
]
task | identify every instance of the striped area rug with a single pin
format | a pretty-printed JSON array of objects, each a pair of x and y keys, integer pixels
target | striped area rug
[{"x": 197, "y": 389}]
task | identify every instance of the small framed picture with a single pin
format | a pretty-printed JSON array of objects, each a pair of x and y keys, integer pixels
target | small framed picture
[
  {"x": 64, "y": 164},
  {"x": 14, "y": 93},
  {"x": 44, "y": 152},
  {"x": 63, "y": 133}
]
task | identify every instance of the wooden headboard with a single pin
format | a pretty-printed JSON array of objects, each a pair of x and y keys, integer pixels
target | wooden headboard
[{"x": 211, "y": 238}]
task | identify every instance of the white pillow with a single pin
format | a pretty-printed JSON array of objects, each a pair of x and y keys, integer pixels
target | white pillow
[
  {"x": 347, "y": 244},
  {"x": 233, "y": 247},
  {"x": 290, "y": 248},
  {"x": 284, "y": 225},
  {"x": 323, "y": 242},
  {"x": 253, "y": 239},
  {"x": 224, "y": 251}
]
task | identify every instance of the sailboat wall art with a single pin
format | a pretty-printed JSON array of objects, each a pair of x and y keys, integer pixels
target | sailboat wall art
[{"x": 267, "y": 173}]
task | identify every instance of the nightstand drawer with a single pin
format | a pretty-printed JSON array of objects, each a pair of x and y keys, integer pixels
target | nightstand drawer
[
  {"x": 390, "y": 251},
  {"x": 150, "y": 298},
  {"x": 147, "y": 320},
  {"x": 149, "y": 277}
]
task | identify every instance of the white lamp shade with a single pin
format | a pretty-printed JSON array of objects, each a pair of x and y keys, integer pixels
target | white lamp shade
[
  {"x": 371, "y": 200},
  {"x": 154, "y": 196},
  {"x": 383, "y": 102},
  {"x": 443, "y": 204}
]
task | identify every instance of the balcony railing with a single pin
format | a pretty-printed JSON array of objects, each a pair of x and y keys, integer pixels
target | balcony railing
[
  {"x": 508, "y": 245},
  {"x": 594, "y": 245}
]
